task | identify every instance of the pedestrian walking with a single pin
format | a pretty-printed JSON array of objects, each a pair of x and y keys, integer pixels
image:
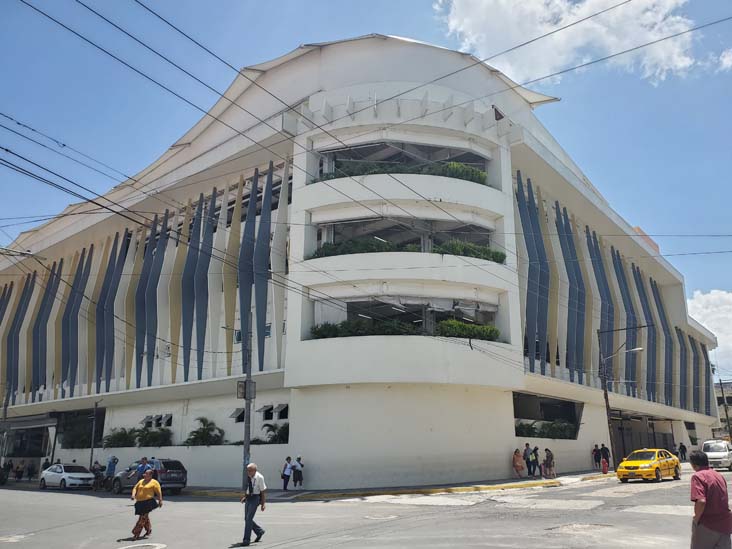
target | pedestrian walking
[
  {"x": 527, "y": 460},
  {"x": 148, "y": 496},
  {"x": 286, "y": 473},
  {"x": 31, "y": 470},
  {"x": 140, "y": 470},
  {"x": 253, "y": 498},
  {"x": 46, "y": 465},
  {"x": 605, "y": 453},
  {"x": 297, "y": 468},
  {"x": 596, "y": 457},
  {"x": 682, "y": 452},
  {"x": 549, "y": 471},
  {"x": 19, "y": 471},
  {"x": 712, "y": 523},
  {"x": 536, "y": 461},
  {"x": 518, "y": 463}
]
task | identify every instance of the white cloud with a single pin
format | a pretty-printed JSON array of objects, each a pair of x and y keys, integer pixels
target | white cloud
[
  {"x": 714, "y": 311},
  {"x": 725, "y": 60},
  {"x": 489, "y": 26}
]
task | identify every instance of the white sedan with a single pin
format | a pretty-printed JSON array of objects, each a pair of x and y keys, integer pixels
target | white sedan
[{"x": 66, "y": 476}]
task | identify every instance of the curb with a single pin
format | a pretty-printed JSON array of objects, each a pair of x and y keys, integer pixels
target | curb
[
  {"x": 431, "y": 491},
  {"x": 407, "y": 491},
  {"x": 599, "y": 476}
]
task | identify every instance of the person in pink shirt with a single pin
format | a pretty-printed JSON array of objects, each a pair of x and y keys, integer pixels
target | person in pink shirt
[{"x": 712, "y": 524}]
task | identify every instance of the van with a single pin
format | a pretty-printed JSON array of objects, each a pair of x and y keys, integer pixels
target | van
[{"x": 719, "y": 453}]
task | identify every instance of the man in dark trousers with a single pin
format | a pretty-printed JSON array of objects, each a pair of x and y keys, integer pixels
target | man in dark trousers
[
  {"x": 712, "y": 523},
  {"x": 682, "y": 452},
  {"x": 605, "y": 453},
  {"x": 253, "y": 497}
]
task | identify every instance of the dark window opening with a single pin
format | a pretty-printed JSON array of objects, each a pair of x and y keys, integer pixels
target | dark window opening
[{"x": 545, "y": 417}]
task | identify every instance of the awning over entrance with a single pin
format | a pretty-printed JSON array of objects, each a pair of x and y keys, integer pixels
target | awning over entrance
[{"x": 31, "y": 422}]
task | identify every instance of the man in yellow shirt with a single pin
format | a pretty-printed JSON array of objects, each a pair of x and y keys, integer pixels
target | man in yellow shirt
[{"x": 144, "y": 493}]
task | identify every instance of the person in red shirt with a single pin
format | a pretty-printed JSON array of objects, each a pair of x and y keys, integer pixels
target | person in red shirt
[{"x": 712, "y": 524}]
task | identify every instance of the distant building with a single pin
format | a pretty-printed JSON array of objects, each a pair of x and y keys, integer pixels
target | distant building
[{"x": 422, "y": 279}]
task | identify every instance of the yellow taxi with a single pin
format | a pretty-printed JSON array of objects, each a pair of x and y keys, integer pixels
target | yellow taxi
[{"x": 649, "y": 464}]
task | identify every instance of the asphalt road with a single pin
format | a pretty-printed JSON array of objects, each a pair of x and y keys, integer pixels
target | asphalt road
[{"x": 596, "y": 514}]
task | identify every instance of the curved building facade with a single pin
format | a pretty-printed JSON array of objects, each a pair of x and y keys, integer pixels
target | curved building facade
[{"x": 428, "y": 281}]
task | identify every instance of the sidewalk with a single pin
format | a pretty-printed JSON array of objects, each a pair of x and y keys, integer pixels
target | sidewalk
[{"x": 325, "y": 495}]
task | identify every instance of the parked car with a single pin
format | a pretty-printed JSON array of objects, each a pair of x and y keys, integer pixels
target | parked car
[
  {"x": 719, "y": 453},
  {"x": 649, "y": 464},
  {"x": 170, "y": 473},
  {"x": 66, "y": 476}
]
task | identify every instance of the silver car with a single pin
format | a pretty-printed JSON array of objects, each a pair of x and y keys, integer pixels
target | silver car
[{"x": 170, "y": 473}]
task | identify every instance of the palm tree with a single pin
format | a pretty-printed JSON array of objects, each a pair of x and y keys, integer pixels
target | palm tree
[
  {"x": 277, "y": 434},
  {"x": 206, "y": 435},
  {"x": 121, "y": 438}
]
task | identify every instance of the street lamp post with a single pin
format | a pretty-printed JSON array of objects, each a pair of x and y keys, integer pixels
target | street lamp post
[{"x": 603, "y": 377}]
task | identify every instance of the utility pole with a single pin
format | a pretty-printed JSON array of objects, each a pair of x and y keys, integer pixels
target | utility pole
[
  {"x": 603, "y": 377},
  {"x": 249, "y": 390},
  {"x": 726, "y": 413},
  {"x": 93, "y": 432}
]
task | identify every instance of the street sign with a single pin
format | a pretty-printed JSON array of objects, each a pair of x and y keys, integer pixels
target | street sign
[{"x": 246, "y": 389}]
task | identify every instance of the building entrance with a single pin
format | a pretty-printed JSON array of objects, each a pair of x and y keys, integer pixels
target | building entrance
[{"x": 635, "y": 431}]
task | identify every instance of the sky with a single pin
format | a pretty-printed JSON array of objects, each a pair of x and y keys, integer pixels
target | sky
[{"x": 650, "y": 129}]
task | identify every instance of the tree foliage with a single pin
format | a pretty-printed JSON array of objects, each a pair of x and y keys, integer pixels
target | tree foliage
[{"x": 207, "y": 434}]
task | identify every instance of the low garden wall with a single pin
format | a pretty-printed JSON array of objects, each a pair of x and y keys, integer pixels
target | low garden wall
[{"x": 214, "y": 466}]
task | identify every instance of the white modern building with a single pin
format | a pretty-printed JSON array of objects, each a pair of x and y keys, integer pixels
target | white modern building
[{"x": 424, "y": 271}]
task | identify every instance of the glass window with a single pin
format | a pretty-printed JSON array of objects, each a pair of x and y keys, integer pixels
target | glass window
[
  {"x": 642, "y": 455},
  {"x": 714, "y": 447},
  {"x": 75, "y": 469}
]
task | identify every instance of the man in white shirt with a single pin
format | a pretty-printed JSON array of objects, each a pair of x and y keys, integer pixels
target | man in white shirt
[
  {"x": 253, "y": 497},
  {"x": 297, "y": 466}
]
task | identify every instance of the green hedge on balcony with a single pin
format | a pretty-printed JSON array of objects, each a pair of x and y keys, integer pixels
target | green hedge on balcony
[
  {"x": 445, "y": 328},
  {"x": 350, "y": 328},
  {"x": 371, "y": 245},
  {"x": 447, "y": 169},
  {"x": 466, "y": 330}
]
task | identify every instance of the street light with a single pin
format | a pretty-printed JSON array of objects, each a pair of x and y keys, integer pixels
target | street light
[{"x": 603, "y": 378}]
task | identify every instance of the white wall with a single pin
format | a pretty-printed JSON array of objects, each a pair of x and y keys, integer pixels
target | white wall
[
  {"x": 373, "y": 435},
  {"x": 185, "y": 412}
]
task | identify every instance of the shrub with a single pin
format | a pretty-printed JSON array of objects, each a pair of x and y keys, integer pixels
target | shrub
[
  {"x": 526, "y": 429},
  {"x": 121, "y": 438},
  {"x": 371, "y": 245},
  {"x": 277, "y": 434},
  {"x": 447, "y": 169},
  {"x": 558, "y": 429},
  {"x": 206, "y": 435},
  {"x": 456, "y": 328},
  {"x": 147, "y": 437},
  {"x": 350, "y": 328}
]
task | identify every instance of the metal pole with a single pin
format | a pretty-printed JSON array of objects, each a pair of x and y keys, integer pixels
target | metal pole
[
  {"x": 726, "y": 413},
  {"x": 603, "y": 378},
  {"x": 248, "y": 396},
  {"x": 93, "y": 432}
]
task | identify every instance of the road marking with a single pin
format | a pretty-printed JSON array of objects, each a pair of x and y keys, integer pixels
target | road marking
[
  {"x": 678, "y": 510},
  {"x": 145, "y": 546},
  {"x": 386, "y": 517},
  {"x": 552, "y": 504},
  {"x": 14, "y": 538}
]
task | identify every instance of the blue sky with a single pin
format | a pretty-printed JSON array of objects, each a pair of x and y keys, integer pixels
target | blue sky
[{"x": 657, "y": 149}]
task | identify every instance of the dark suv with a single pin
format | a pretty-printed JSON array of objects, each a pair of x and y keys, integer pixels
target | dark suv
[{"x": 170, "y": 473}]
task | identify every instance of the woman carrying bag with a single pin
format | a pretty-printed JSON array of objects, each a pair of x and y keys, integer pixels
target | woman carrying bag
[{"x": 144, "y": 494}]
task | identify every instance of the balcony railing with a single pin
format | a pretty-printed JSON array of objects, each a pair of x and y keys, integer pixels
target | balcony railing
[
  {"x": 455, "y": 170},
  {"x": 372, "y": 245},
  {"x": 445, "y": 328}
]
